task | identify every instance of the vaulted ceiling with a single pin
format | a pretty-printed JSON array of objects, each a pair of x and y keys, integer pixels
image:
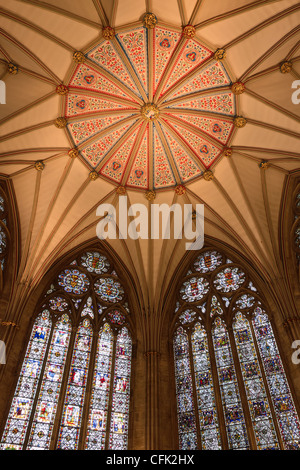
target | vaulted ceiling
[{"x": 203, "y": 141}]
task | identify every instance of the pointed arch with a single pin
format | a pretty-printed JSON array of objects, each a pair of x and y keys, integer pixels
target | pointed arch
[
  {"x": 237, "y": 388},
  {"x": 73, "y": 391},
  {"x": 8, "y": 240}
]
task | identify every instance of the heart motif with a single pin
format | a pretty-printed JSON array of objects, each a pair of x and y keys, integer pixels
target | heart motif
[
  {"x": 89, "y": 78},
  {"x": 116, "y": 165}
]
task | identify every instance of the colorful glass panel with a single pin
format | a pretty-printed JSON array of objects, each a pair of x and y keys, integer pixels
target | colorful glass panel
[
  {"x": 188, "y": 316},
  {"x": 221, "y": 288},
  {"x": 118, "y": 438},
  {"x": 54, "y": 354},
  {"x": 74, "y": 281},
  {"x": 88, "y": 308},
  {"x": 115, "y": 316},
  {"x": 3, "y": 241},
  {"x": 74, "y": 399},
  {"x": 46, "y": 406},
  {"x": 208, "y": 418},
  {"x": 278, "y": 385},
  {"x": 208, "y": 261},
  {"x": 98, "y": 413},
  {"x": 232, "y": 407},
  {"x": 229, "y": 279},
  {"x": 245, "y": 301},
  {"x": 215, "y": 307},
  {"x": 109, "y": 290},
  {"x": 58, "y": 304},
  {"x": 184, "y": 390},
  {"x": 194, "y": 289},
  {"x": 17, "y": 423},
  {"x": 94, "y": 262},
  {"x": 258, "y": 402}
]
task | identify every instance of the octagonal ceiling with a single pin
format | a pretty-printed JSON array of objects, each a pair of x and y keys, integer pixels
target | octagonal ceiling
[{"x": 149, "y": 108}]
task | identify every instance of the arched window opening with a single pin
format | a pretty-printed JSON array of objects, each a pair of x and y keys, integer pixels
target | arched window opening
[
  {"x": 296, "y": 225},
  {"x": 73, "y": 391},
  {"x": 4, "y": 235},
  {"x": 231, "y": 387}
]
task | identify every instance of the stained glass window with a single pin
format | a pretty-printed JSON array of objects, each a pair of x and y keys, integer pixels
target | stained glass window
[
  {"x": 4, "y": 233},
  {"x": 74, "y": 399},
  {"x": 109, "y": 290},
  {"x": 98, "y": 412},
  {"x": 296, "y": 225},
  {"x": 184, "y": 388},
  {"x": 231, "y": 387},
  {"x": 74, "y": 386},
  {"x": 46, "y": 407},
  {"x": 121, "y": 392},
  {"x": 278, "y": 385},
  {"x": 20, "y": 411},
  {"x": 208, "y": 418},
  {"x": 254, "y": 385},
  {"x": 230, "y": 395}
]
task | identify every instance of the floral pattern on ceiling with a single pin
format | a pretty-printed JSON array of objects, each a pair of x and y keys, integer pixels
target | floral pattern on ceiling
[{"x": 174, "y": 140}]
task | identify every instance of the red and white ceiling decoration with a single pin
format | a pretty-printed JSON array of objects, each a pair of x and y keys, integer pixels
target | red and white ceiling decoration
[{"x": 150, "y": 106}]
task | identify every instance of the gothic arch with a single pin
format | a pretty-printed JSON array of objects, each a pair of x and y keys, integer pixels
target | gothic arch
[
  {"x": 9, "y": 242},
  {"x": 219, "y": 296},
  {"x": 295, "y": 226},
  {"x": 86, "y": 302}
]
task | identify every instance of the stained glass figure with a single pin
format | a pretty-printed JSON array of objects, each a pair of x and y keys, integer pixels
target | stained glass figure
[
  {"x": 283, "y": 403},
  {"x": 18, "y": 419},
  {"x": 208, "y": 417},
  {"x": 74, "y": 399},
  {"x": 118, "y": 438},
  {"x": 208, "y": 261},
  {"x": 184, "y": 390}
]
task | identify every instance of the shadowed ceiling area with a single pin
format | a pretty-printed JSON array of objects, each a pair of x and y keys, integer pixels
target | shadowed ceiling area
[{"x": 189, "y": 105}]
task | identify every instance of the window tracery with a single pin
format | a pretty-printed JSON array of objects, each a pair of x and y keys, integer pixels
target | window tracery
[
  {"x": 73, "y": 391},
  {"x": 231, "y": 387},
  {"x": 4, "y": 234}
]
